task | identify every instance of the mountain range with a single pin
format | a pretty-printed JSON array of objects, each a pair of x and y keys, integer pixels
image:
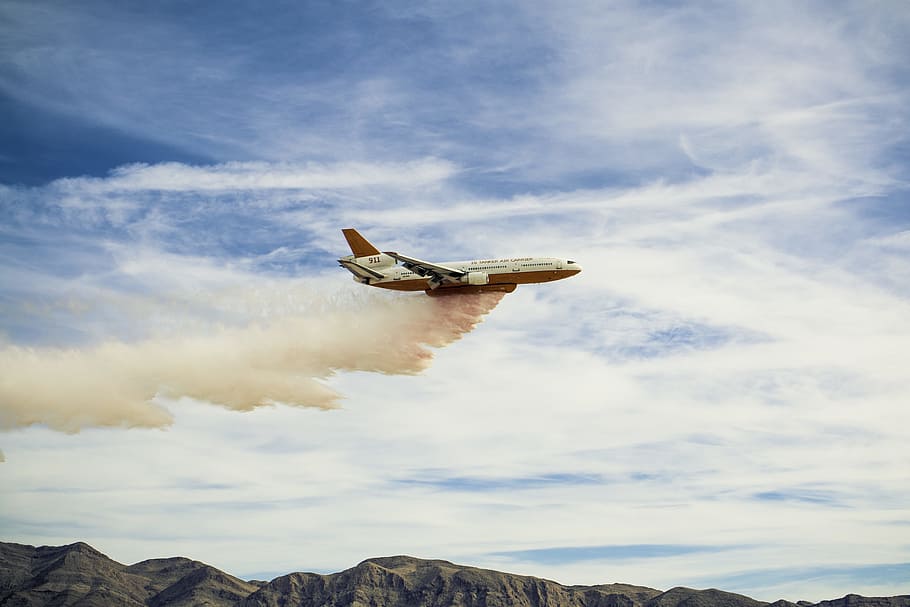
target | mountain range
[{"x": 77, "y": 574}]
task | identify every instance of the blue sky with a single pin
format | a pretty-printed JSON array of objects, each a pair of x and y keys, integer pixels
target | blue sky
[{"x": 718, "y": 400}]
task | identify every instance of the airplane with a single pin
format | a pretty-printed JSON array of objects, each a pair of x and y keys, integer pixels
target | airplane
[{"x": 376, "y": 268}]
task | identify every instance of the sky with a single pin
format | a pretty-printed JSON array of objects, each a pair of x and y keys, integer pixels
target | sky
[{"x": 720, "y": 399}]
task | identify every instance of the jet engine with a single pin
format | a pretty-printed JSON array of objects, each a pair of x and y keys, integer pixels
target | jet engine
[{"x": 476, "y": 278}]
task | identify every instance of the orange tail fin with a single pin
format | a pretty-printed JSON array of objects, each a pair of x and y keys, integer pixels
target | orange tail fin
[{"x": 360, "y": 246}]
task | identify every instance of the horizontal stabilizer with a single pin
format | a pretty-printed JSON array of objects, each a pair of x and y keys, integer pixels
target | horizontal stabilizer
[{"x": 360, "y": 270}]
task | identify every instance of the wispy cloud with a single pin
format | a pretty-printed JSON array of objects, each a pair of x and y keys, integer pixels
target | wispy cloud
[
  {"x": 174, "y": 177},
  {"x": 471, "y": 484},
  {"x": 573, "y": 554},
  {"x": 805, "y": 579},
  {"x": 808, "y": 496}
]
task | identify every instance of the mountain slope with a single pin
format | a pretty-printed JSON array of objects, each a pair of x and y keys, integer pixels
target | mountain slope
[
  {"x": 80, "y": 575},
  {"x": 407, "y": 582}
]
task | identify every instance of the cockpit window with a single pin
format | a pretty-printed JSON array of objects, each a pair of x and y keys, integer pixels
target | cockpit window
[{"x": 569, "y": 261}]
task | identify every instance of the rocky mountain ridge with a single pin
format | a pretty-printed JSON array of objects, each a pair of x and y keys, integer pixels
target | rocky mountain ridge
[{"x": 78, "y": 574}]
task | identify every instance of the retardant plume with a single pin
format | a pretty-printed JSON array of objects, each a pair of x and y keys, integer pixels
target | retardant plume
[{"x": 113, "y": 384}]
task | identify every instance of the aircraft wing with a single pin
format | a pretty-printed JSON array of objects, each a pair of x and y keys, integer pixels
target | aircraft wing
[{"x": 438, "y": 273}]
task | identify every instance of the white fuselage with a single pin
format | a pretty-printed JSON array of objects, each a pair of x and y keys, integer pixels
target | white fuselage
[{"x": 483, "y": 274}]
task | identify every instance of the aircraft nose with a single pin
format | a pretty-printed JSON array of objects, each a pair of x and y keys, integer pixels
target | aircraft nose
[{"x": 572, "y": 265}]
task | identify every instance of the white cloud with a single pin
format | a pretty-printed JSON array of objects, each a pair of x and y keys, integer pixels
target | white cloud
[
  {"x": 685, "y": 440},
  {"x": 259, "y": 176}
]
